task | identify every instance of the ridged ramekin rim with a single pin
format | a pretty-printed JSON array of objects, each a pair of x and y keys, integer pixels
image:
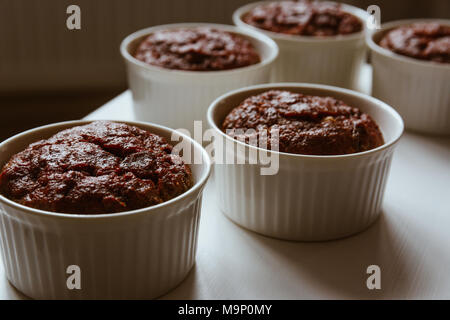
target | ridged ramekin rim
[
  {"x": 358, "y": 12},
  {"x": 274, "y": 50},
  {"x": 299, "y": 85},
  {"x": 398, "y": 57},
  {"x": 197, "y": 187}
]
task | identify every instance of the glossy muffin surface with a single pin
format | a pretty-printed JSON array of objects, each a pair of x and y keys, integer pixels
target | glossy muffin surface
[
  {"x": 310, "y": 125},
  {"x": 102, "y": 167},
  {"x": 306, "y": 18},
  {"x": 424, "y": 41},
  {"x": 197, "y": 49}
]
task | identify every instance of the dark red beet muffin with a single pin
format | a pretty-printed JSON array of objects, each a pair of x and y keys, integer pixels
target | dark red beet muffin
[
  {"x": 102, "y": 167},
  {"x": 309, "y": 125},
  {"x": 305, "y": 18},
  {"x": 198, "y": 49},
  {"x": 425, "y": 41}
]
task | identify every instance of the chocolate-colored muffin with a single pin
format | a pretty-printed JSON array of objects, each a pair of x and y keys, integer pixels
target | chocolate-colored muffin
[
  {"x": 305, "y": 18},
  {"x": 425, "y": 41},
  {"x": 309, "y": 125},
  {"x": 102, "y": 167},
  {"x": 197, "y": 49}
]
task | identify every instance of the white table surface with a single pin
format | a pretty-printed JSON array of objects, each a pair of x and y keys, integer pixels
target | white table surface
[{"x": 410, "y": 241}]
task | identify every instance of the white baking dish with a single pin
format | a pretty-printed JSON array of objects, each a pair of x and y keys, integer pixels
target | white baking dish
[
  {"x": 310, "y": 197},
  {"x": 176, "y": 98},
  {"x": 334, "y": 60},
  {"x": 419, "y": 90},
  {"x": 136, "y": 254}
]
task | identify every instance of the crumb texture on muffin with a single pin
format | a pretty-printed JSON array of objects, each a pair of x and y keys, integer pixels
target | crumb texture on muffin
[
  {"x": 310, "y": 125},
  {"x": 101, "y": 167},
  {"x": 424, "y": 41},
  {"x": 197, "y": 49},
  {"x": 306, "y": 18}
]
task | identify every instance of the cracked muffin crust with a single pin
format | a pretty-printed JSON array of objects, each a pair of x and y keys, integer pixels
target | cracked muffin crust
[
  {"x": 305, "y": 18},
  {"x": 425, "y": 41},
  {"x": 101, "y": 167},
  {"x": 310, "y": 125},
  {"x": 197, "y": 49}
]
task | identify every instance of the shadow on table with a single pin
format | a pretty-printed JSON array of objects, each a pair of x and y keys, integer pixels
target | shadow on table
[
  {"x": 12, "y": 293},
  {"x": 340, "y": 267},
  {"x": 436, "y": 147},
  {"x": 186, "y": 289}
]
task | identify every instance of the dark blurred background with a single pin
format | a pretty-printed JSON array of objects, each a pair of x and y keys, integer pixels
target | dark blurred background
[{"x": 49, "y": 73}]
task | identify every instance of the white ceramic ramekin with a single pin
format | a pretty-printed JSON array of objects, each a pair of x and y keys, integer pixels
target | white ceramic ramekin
[
  {"x": 331, "y": 60},
  {"x": 419, "y": 90},
  {"x": 311, "y": 198},
  {"x": 176, "y": 98},
  {"x": 131, "y": 255}
]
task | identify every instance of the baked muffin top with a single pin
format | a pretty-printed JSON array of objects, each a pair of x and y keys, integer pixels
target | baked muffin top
[
  {"x": 425, "y": 41},
  {"x": 305, "y": 18},
  {"x": 101, "y": 167},
  {"x": 197, "y": 49},
  {"x": 310, "y": 125}
]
